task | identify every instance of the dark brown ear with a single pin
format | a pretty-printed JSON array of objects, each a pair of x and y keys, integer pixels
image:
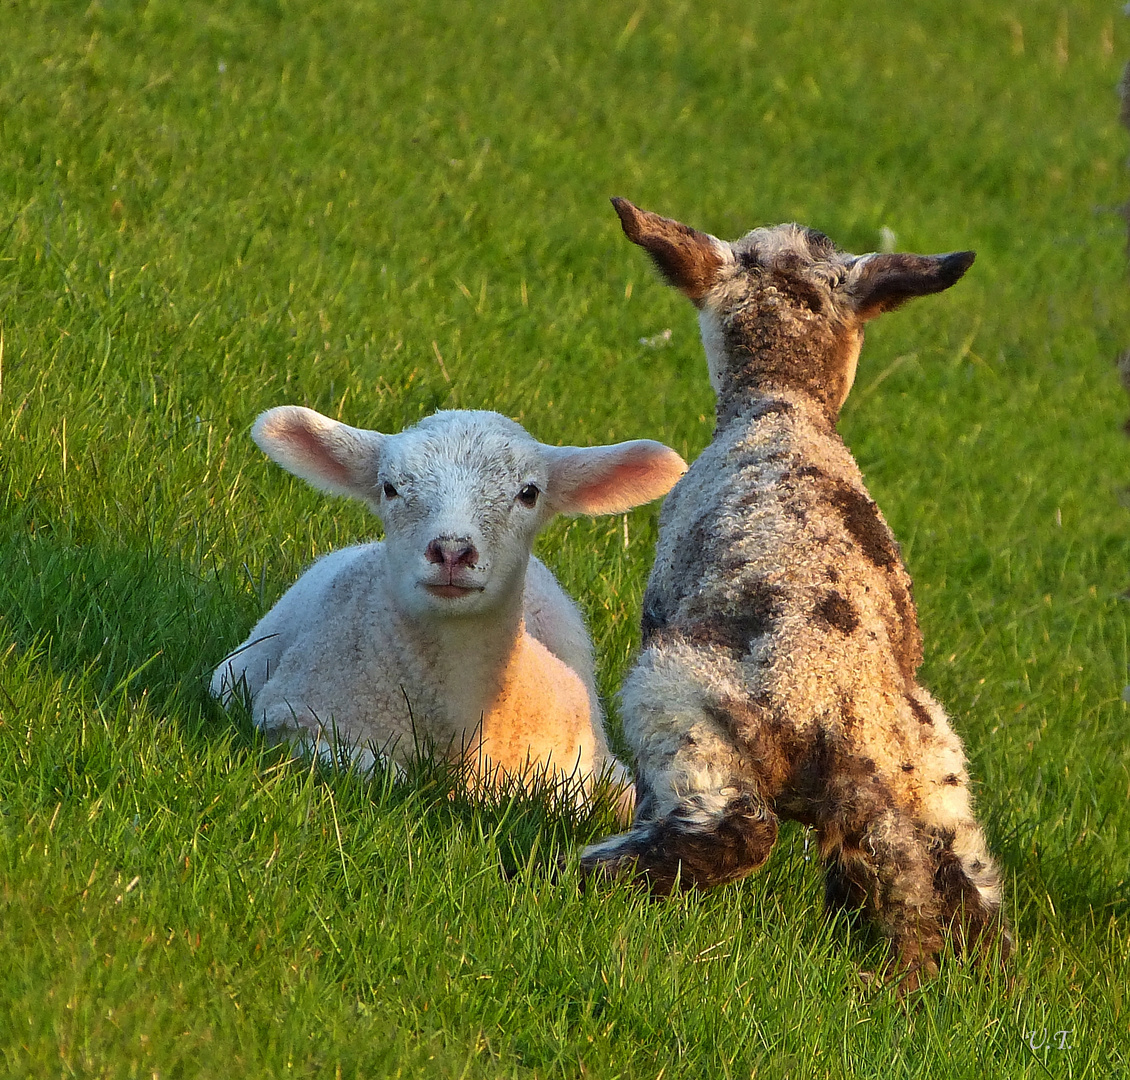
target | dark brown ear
[
  {"x": 690, "y": 260},
  {"x": 883, "y": 282}
]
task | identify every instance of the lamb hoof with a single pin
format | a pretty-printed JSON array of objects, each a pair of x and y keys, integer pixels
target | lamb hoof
[
  {"x": 904, "y": 979},
  {"x": 908, "y": 979}
]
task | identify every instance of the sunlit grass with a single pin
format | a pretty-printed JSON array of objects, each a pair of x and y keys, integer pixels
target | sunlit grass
[{"x": 381, "y": 209}]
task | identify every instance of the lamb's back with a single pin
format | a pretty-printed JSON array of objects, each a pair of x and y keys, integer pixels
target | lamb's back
[{"x": 775, "y": 566}]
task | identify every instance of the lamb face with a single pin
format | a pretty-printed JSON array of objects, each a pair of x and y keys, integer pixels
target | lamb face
[
  {"x": 463, "y": 494},
  {"x": 783, "y": 307},
  {"x": 461, "y": 499}
]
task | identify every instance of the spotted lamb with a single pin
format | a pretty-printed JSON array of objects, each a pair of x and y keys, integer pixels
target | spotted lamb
[{"x": 778, "y": 677}]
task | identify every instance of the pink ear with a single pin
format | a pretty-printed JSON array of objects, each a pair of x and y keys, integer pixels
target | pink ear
[
  {"x": 331, "y": 456},
  {"x": 610, "y": 479}
]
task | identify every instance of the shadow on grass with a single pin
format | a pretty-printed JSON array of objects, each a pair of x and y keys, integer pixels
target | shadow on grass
[
  {"x": 126, "y": 619},
  {"x": 534, "y": 822},
  {"x": 152, "y": 624}
]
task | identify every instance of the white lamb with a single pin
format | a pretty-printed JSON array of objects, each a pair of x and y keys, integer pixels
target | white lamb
[{"x": 449, "y": 633}]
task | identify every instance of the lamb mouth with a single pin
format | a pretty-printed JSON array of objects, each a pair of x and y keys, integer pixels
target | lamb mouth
[{"x": 452, "y": 591}]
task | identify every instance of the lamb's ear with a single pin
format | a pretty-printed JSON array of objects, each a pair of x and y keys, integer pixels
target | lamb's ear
[
  {"x": 690, "y": 260},
  {"x": 332, "y": 456},
  {"x": 610, "y": 479},
  {"x": 880, "y": 283}
]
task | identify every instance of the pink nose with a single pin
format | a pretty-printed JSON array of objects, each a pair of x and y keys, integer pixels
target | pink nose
[{"x": 451, "y": 552}]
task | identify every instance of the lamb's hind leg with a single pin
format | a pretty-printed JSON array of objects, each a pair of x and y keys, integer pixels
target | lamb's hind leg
[
  {"x": 706, "y": 839},
  {"x": 886, "y": 866},
  {"x": 968, "y": 887},
  {"x": 701, "y": 818},
  {"x": 966, "y": 880}
]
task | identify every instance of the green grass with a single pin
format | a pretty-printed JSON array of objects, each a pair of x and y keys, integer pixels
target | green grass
[{"x": 206, "y": 210}]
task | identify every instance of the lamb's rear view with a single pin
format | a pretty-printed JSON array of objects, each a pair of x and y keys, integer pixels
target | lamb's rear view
[
  {"x": 778, "y": 677},
  {"x": 448, "y": 633}
]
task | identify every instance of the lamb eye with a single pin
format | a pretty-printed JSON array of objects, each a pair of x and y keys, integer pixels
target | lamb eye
[
  {"x": 528, "y": 496},
  {"x": 390, "y": 491}
]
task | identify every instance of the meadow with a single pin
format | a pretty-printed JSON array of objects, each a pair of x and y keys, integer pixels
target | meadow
[{"x": 380, "y": 209}]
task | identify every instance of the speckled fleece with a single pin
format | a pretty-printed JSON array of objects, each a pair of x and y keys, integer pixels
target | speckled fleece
[{"x": 778, "y": 676}]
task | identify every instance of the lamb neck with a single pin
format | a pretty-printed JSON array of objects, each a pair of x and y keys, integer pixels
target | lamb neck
[{"x": 468, "y": 658}]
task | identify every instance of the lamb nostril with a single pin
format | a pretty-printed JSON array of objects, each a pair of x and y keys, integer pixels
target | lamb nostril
[
  {"x": 467, "y": 556},
  {"x": 446, "y": 551}
]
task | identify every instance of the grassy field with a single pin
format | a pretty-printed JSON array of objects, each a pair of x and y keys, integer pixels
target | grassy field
[{"x": 378, "y": 209}]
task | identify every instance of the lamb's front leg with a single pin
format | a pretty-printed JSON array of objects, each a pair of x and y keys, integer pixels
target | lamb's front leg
[{"x": 701, "y": 815}]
